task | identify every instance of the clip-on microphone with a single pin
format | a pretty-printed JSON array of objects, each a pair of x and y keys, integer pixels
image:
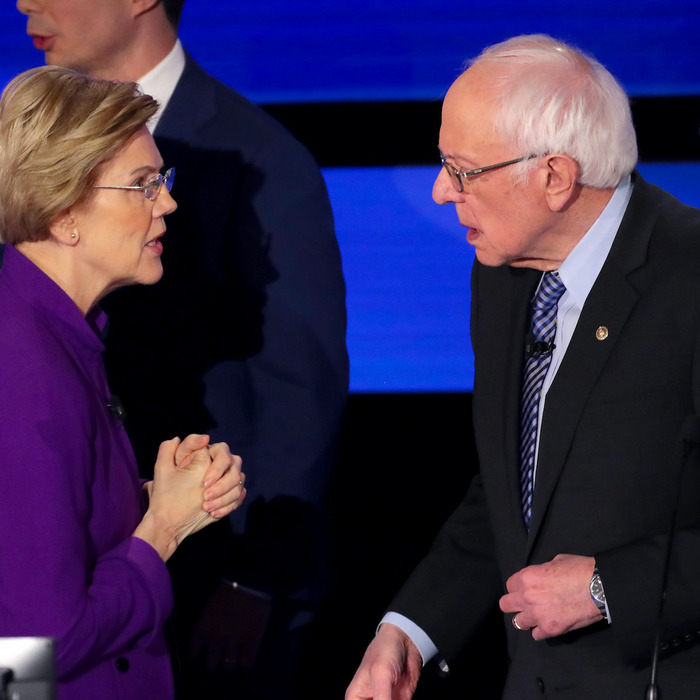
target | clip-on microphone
[
  {"x": 116, "y": 407},
  {"x": 536, "y": 348}
]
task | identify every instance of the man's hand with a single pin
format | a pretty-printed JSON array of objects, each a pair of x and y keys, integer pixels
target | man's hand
[
  {"x": 552, "y": 598},
  {"x": 389, "y": 670}
]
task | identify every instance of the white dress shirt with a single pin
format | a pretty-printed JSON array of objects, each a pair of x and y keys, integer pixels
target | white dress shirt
[{"x": 161, "y": 80}]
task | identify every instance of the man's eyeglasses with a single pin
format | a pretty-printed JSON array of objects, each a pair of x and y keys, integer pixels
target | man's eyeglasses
[
  {"x": 151, "y": 189},
  {"x": 458, "y": 177}
]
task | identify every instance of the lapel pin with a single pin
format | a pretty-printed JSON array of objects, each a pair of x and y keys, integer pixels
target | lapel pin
[{"x": 601, "y": 333}]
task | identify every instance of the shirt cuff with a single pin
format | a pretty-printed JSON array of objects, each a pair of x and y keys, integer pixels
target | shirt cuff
[{"x": 422, "y": 641}]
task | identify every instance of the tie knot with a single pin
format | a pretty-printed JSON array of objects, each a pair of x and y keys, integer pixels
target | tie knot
[{"x": 550, "y": 291}]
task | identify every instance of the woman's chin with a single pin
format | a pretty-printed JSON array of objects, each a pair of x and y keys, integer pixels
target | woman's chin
[{"x": 151, "y": 274}]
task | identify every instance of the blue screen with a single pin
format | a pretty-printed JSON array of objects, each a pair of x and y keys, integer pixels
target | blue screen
[
  {"x": 405, "y": 259},
  {"x": 320, "y": 50},
  {"x": 407, "y": 268}
]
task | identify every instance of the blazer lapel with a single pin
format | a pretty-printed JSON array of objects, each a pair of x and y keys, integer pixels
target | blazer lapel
[
  {"x": 191, "y": 105},
  {"x": 608, "y": 306},
  {"x": 192, "y": 136},
  {"x": 502, "y": 320}
]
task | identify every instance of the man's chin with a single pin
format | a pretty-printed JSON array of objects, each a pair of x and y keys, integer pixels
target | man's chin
[{"x": 488, "y": 258}]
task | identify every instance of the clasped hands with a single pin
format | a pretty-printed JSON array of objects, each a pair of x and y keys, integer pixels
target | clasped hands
[
  {"x": 223, "y": 480},
  {"x": 194, "y": 484},
  {"x": 552, "y": 598}
]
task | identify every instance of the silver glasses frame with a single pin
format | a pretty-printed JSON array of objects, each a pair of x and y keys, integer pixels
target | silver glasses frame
[
  {"x": 457, "y": 176},
  {"x": 154, "y": 185}
]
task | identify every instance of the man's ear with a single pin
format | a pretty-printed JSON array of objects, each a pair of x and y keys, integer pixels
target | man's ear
[
  {"x": 139, "y": 7},
  {"x": 561, "y": 178},
  {"x": 64, "y": 229}
]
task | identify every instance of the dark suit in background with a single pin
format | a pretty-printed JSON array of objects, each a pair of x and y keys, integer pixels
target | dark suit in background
[
  {"x": 251, "y": 249},
  {"x": 609, "y": 460}
]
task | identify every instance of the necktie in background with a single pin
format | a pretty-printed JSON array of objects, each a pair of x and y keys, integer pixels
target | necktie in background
[{"x": 539, "y": 355}]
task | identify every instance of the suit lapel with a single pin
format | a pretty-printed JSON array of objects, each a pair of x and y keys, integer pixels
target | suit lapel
[
  {"x": 502, "y": 319},
  {"x": 193, "y": 137},
  {"x": 190, "y": 107},
  {"x": 609, "y": 305},
  {"x": 519, "y": 321},
  {"x": 180, "y": 132}
]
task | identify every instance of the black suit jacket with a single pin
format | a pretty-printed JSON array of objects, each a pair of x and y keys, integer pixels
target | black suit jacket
[
  {"x": 244, "y": 337},
  {"x": 607, "y": 474}
]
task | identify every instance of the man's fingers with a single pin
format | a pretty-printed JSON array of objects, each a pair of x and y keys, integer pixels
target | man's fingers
[{"x": 381, "y": 680}]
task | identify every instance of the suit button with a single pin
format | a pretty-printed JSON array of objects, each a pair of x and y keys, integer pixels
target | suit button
[
  {"x": 122, "y": 664},
  {"x": 540, "y": 684}
]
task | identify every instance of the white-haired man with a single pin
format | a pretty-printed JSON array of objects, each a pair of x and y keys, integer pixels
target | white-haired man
[{"x": 585, "y": 326}]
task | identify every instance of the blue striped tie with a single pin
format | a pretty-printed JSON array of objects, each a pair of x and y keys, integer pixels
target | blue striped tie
[{"x": 543, "y": 328}]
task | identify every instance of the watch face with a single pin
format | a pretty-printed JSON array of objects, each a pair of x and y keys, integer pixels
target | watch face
[{"x": 597, "y": 589}]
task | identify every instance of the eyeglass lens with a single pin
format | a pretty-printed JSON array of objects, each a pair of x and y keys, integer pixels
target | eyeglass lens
[
  {"x": 457, "y": 181},
  {"x": 153, "y": 187}
]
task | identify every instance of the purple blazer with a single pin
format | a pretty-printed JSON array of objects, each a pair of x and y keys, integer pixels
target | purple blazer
[{"x": 70, "y": 500}]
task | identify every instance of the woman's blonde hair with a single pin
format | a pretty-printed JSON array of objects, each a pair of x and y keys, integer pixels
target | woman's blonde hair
[{"x": 57, "y": 128}]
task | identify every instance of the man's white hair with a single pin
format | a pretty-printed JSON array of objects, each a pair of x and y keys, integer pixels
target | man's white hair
[{"x": 552, "y": 98}]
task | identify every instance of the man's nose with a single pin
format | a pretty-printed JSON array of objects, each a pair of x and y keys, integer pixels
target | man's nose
[
  {"x": 26, "y": 6},
  {"x": 443, "y": 189}
]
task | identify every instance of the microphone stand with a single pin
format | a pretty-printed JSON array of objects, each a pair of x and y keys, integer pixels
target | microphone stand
[{"x": 690, "y": 436}]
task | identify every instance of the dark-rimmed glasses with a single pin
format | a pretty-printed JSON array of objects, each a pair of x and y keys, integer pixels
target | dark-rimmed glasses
[
  {"x": 151, "y": 189},
  {"x": 458, "y": 177}
]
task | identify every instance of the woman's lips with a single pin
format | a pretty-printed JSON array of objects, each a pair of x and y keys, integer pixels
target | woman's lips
[{"x": 156, "y": 246}]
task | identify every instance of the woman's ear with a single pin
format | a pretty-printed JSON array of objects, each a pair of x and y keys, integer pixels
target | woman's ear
[{"x": 64, "y": 229}]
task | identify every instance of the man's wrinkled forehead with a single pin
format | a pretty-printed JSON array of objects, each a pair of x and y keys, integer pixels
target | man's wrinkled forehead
[{"x": 469, "y": 106}]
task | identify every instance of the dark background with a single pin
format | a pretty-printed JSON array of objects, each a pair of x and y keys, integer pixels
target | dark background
[{"x": 404, "y": 464}]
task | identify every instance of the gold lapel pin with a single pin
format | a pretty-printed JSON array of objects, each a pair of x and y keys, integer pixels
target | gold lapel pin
[{"x": 601, "y": 333}]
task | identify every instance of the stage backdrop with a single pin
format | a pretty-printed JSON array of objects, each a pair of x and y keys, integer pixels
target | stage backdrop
[{"x": 405, "y": 259}]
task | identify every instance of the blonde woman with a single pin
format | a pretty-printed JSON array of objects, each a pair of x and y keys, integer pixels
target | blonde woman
[{"x": 83, "y": 543}]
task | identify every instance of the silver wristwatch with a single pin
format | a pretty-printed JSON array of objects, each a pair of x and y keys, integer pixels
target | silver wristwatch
[{"x": 598, "y": 593}]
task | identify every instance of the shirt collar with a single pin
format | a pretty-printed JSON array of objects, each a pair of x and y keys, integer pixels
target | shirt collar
[
  {"x": 161, "y": 80},
  {"x": 583, "y": 264}
]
